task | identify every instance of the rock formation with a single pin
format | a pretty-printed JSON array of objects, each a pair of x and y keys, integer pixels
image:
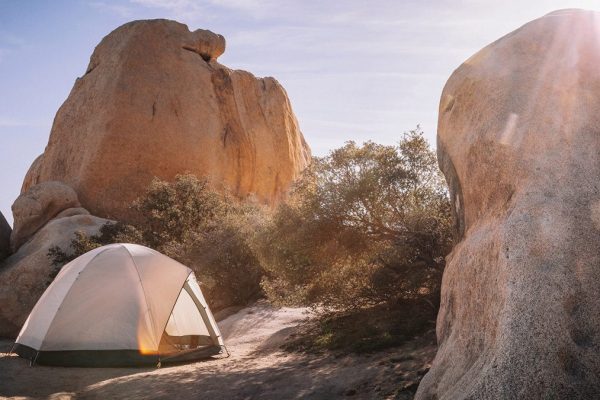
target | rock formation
[
  {"x": 155, "y": 102},
  {"x": 5, "y": 232},
  {"x": 25, "y": 274},
  {"x": 38, "y": 205},
  {"x": 519, "y": 143}
]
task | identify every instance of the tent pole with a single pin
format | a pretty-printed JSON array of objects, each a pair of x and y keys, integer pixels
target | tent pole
[
  {"x": 227, "y": 351},
  {"x": 33, "y": 360},
  {"x": 202, "y": 310}
]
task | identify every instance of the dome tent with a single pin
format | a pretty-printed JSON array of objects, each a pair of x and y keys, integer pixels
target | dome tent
[{"x": 120, "y": 305}]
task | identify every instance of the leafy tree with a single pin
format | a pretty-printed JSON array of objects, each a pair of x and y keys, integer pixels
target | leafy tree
[{"x": 366, "y": 224}]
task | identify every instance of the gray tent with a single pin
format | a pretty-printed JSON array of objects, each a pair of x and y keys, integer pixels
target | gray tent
[{"x": 120, "y": 305}]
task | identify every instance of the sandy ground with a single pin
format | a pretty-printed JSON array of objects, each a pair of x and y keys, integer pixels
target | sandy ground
[{"x": 257, "y": 369}]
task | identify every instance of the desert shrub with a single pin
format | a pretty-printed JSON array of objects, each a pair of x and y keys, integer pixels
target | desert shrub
[
  {"x": 189, "y": 222},
  {"x": 365, "y": 225},
  {"x": 222, "y": 257},
  {"x": 171, "y": 214},
  {"x": 109, "y": 233}
]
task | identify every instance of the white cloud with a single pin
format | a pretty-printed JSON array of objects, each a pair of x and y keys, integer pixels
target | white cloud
[
  {"x": 11, "y": 40},
  {"x": 120, "y": 10},
  {"x": 243, "y": 4},
  {"x": 10, "y": 122},
  {"x": 179, "y": 9},
  {"x": 10, "y": 43}
]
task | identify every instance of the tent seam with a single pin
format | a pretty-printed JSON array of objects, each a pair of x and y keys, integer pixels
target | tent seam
[
  {"x": 204, "y": 316},
  {"x": 67, "y": 295},
  {"x": 175, "y": 303},
  {"x": 143, "y": 291}
]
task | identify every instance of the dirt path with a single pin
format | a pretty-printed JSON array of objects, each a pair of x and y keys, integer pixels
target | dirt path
[{"x": 257, "y": 369}]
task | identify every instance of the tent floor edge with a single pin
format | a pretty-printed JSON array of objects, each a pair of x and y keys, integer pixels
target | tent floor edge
[
  {"x": 190, "y": 355},
  {"x": 111, "y": 358},
  {"x": 88, "y": 358}
]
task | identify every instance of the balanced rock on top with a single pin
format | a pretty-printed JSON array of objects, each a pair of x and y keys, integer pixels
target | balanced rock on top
[{"x": 207, "y": 44}]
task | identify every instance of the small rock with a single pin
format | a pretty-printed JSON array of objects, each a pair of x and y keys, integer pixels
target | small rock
[{"x": 34, "y": 208}]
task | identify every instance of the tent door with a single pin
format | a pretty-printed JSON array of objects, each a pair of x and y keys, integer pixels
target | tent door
[
  {"x": 189, "y": 326},
  {"x": 203, "y": 313}
]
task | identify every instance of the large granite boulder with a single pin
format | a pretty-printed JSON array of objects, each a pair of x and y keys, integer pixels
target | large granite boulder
[
  {"x": 38, "y": 205},
  {"x": 519, "y": 143},
  {"x": 155, "y": 102},
  {"x": 5, "y": 231},
  {"x": 25, "y": 274}
]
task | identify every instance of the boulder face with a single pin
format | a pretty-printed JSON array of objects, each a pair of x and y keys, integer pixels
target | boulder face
[
  {"x": 5, "y": 232},
  {"x": 25, "y": 274},
  {"x": 155, "y": 102},
  {"x": 519, "y": 143},
  {"x": 38, "y": 205}
]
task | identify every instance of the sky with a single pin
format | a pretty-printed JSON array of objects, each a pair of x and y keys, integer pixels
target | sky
[{"x": 354, "y": 70}]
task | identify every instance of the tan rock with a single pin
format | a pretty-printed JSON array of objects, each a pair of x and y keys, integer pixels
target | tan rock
[
  {"x": 25, "y": 274},
  {"x": 150, "y": 105},
  {"x": 519, "y": 143},
  {"x": 5, "y": 231},
  {"x": 207, "y": 44},
  {"x": 38, "y": 205},
  {"x": 69, "y": 212},
  {"x": 33, "y": 174}
]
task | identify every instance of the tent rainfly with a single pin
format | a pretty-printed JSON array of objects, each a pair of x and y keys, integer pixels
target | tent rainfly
[{"x": 120, "y": 305}]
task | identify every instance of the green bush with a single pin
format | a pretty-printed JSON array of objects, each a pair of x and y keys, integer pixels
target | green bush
[
  {"x": 187, "y": 221},
  {"x": 365, "y": 225}
]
